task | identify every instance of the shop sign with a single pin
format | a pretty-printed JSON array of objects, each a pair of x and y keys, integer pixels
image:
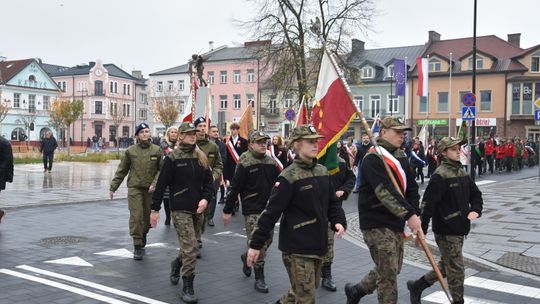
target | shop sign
[{"x": 431, "y": 122}]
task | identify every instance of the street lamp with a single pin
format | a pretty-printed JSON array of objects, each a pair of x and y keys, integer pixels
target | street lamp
[{"x": 84, "y": 92}]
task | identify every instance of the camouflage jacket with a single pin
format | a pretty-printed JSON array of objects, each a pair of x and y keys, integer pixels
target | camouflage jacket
[
  {"x": 143, "y": 162},
  {"x": 211, "y": 150},
  {"x": 305, "y": 195},
  {"x": 380, "y": 205},
  {"x": 449, "y": 197}
]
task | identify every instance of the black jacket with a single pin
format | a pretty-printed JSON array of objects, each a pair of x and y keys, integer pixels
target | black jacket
[
  {"x": 6, "y": 163},
  {"x": 187, "y": 180},
  {"x": 380, "y": 205},
  {"x": 48, "y": 145},
  {"x": 253, "y": 180},
  {"x": 360, "y": 153},
  {"x": 449, "y": 197},
  {"x": 222, "y": 151},
  {"x": 344, "y": 180},
  {"x": 305, "y": 195},
  {"x": 241, "y": 146},
  {"x": 281, "y": 154}
]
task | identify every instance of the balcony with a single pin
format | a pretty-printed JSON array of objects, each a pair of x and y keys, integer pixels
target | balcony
[{"x": 270, "y": 112}]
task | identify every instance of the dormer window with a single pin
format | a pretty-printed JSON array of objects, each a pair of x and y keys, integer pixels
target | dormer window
[
  {"x": 390, "y": 71},
  {"x": 479, "y": 62},
  {"x": 434, "y": 65},
  {"x": 32, "y": 78},
  {"x": 367, "y": 72},
  {"x": 535, "y": 62}
]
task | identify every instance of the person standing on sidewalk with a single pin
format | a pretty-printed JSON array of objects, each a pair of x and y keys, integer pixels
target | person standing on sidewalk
[
  {"x": 253, "y": 180},
  {"x": 6, "y": 166},
  {"x": 213, "y": 134},
  {"x": 343, "y": 182},
  {"x": 453, "y": 200},
  {"x": 383, "y": 212},
  {"x": 187, "y": 174},
  {"x": 47, "y": 146},
  {"x": 304, "y": 197},
  {"x": 143, "y": 162},
  {"x": 211, "y": 150},
  {"x": 167, "y": 145}
]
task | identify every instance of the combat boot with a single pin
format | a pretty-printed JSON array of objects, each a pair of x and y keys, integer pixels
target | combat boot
[
  {"x": 459, "y": 302},
  {"x": 188, "y": 294},
  {"x": 260, "y": 284},
  {"x": 416, "y": 288},
  {"x": 176, "y": 264},
  {"x": 354, "y": 293},
  {"x": 327, "y": 282},
  {"x": 138, "y": 253},
  {"x": 245, "y": 268}
]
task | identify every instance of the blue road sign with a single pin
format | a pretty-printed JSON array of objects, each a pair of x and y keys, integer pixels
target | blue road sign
[
  {"x": 468, "y": 113},
  {"x": 289, "y": 114},
  {"x": 537, "y": 115},
  {"x": 469, "y": 99}
]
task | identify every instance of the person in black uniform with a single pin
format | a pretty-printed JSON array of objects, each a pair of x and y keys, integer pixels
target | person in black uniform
[{"x": 236, "y": 145}]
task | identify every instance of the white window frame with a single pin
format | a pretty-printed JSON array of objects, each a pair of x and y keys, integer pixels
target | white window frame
[
  {"x": 237, "y": 102},
  {"x": 374, "y": 108},
  {"x": 210, "y": 77},
  {"x": 251, "y": 75},
  {"x": 223, "y": 77},
  {"x": 537, "y": 57},
  {"x": 287, "y": 103},
  {"x": 272, "y": 106},
  {"x": 95, "y": 106},
  {"x": 367, "y": 72},
  {"x": 223, "y": 101},
  {"x": 359, "y": 101},
  {"x": 478, "y": 59},
  {"x": 181, "y": 85},
  {"x": 490, "y": 101},
  {"x": 236, "y": 76},
  {"x": 170, "y": 85},
  {"x": 439, "y": 103},
  {"x": 435, "y": 65},
  {"x": 392, "y": 104},
  {"x": 390, "y": 71},
  {"x": 31, "y": 103},
  {"x": 16, "y": 100},
  {"x": 160, "y": 86},
  {"x": 46, "y": 102},
  {"x": 126, "y": 111}
]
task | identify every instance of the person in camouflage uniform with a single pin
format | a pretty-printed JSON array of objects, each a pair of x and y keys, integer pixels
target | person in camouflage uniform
[
  {"x": 383, "y": 212},
  {"x": 143, "y": 162},
  {"x": 253, "y": 179},
  {"x": 167, "y": 145},
  {"x": 187, "y": 174},
  {"x": 305, "y": 196},
  {"x": 453, "y": 200},
  {"x": 211, "y": 150}
]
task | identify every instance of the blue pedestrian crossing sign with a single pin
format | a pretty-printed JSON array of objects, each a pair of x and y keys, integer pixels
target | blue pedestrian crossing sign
[
  {"x": 537, "y": 115},
  {"x": 468, "y": 113}
]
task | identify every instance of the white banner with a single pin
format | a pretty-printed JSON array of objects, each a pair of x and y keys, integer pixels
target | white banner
[{"x": 481, "y": 122}]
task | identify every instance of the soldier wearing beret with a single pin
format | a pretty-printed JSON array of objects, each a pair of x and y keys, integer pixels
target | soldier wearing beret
[{"x": 304, "y": 198}]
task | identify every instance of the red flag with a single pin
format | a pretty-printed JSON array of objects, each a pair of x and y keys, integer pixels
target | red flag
[
  {"x": 302, "y": 118},
  {"x": 422, "y": 66}
]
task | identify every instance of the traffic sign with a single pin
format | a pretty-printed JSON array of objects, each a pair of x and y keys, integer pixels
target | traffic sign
[
  {"x": 537, "y": 102},
  {"x": 468, "y": 113},
  {"x": 468, "y": 99},
  {"x": 537, "y": 115},
  {"x": 289, "y": 114}
]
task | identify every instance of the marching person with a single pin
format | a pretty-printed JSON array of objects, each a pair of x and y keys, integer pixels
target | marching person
[
  {"x": 489, "y": 148},
  {"x": 47, "y": 146},
  {"x": 343, "y": 182},
  {"x": 278, "y": 151},
  {"x": 253, "y": 179},
  {"x": 383, "y": 212},
  {"x": 211, "y": 150},
  {"x": 236, "y": 145},
  {"x": 453, "y": 200},
  {"x": 431, "y": 155},
  {"x": 187, "y": 174},
  {"x": 500, "y": 153},
  {"x": 213, "y": 134},
  {"x": 362, "y": 151},
  {"x": 167, "y": 145},
  {"x": 6, "y": 166},
  {"x": 304, "y": 197},
  {"x": 142, "y": 162}
]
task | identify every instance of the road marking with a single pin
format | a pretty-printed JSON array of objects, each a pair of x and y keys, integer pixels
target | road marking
[
  {"x": 484, "y": 182},
  {"x": 97, "y": 286},
  {"x": 122, "y": 253},
  {"x": 439, "y": 297},
  {"x": 75, "y": 261},
  {"x": 511, "y": 288},
  {"x": 72, "y": 289},
  {"x": 156, "y": 245},
  {"x": 230, "y": 233}
]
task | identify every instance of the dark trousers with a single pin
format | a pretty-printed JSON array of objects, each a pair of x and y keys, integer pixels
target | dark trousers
[
  {"x": 489, "y": 159},
  {"x": 509, "y": 160},
  {"x": 48, "y": 160},
  {"x": 213, "y": 201}
]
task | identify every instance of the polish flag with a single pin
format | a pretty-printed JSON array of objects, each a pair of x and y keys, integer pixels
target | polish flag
[
  {"x": 422, "y": 65},
  {"x": 188, "y": 107}
]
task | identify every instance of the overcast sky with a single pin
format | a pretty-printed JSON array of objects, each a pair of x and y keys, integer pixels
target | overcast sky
[{"x": 152, "y": 35}]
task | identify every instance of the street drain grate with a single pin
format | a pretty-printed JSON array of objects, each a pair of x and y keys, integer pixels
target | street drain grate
[
  {"x": 61, "y": 240},
  {"x": 520, "y": 262}
]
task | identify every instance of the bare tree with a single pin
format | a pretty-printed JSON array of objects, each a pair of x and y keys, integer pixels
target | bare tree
[
  {"x": 166, "y": 107},
  {"x": 4, "y": 109},
  {"x": 55, "y": 113},
  {"x": 117, "y": 118},
  {"x": 64, "y": 113},
  {"x": 28, "y": 120}
]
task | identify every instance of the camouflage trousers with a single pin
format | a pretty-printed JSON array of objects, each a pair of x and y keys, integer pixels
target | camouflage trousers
[
  {"x": 251, "y": 226},
  {"x": 451, "y": 264},
  {"x": 185, "y": 230},
  {"x": 305, "y": 275},
  {"x": 139, "y": 201},
  {"x": 386, "y": 250},
  {"x": 199, "y": 221},
  {"x": 329, "y": 256}
]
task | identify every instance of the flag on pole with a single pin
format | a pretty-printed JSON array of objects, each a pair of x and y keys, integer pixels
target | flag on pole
[
  {"x": 332, "y": 112},
  {"x": 246, "y": 122},
  {"x": 424, "y": 133},
  {"x": 302, "y": 118},
  {"x": 375, "y": 126},
  {"x": 188, "y": 107},
  {"x": 208, "y": 109},
  {"x": 462, "y": 130},
  {"x": 422, "y": 65},
  {"x": 399, "y": 75}
]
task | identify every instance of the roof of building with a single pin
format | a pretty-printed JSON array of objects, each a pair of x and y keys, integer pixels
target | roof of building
[
  {"x": 181, "y": 69},
  {"x": 84, "y": 69},
  {"x": 8, "y": 69}
]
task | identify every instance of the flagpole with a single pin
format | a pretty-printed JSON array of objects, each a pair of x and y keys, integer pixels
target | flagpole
[
  {"x": 450, "y": 99},
  {"x": 406, "y": 112},
  {"x": 391, "y": 99}
]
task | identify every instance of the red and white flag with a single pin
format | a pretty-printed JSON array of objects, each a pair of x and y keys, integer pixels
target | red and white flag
[
  {"x": 303, "y": 116},
  {"x": 422, "y": 66},
  {"x": 188, "y": 107}
]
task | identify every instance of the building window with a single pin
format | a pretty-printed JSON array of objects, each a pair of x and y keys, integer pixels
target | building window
[
  {"x": 367, "y": 72},
  {"x": 479, "y": 62},
  {"x": 143, "y": 98},
  {"x": 535, "y": 63},
  {"x": 210, "y": 77},
  {"x": 143, "y": 114},
  {"x": 126, "y": 110},
  {"x": 287, "y": 103},
  {"x": 434, "y": 65},
  {"x": 236, "y": 76},
  {"x": 32, "y": 103},
  {"x": 46, "y": 100},
  {"x": 170, "y": 85},
  {"x": 485, "y": 101},
  {"x": 16, "y": 100},
  {"x": 125, "y": 131},
  {"x": 527, "y": 94},
  {"x": 392, "y": 104},
  {"x": 390, "y": 71},
  {"x": 237, "y": 103},
  {"x": 423, "y": 105},
  {"x": 359, "y": 102},
  {"x": 111, "y": 87},
  {"x": 442, "y": 101},
  {"x": 181, "y": 85},
  {"x": 98, "y": 88},
  {"x": 160, "y": 86},
  {"x": 223, "y": 101},
  {"x": 116, "y": 87},
  {"x": 113, "y": 108},
  {"x": 251, "y": 99},
  {"x": 32, "y": 78},
  {"x": 181, "y": 105},
  {"x": 375, "y": 101},
  {"x": 223, "y": 77},
  {"x": 98, "y": 107},
  {"x": 127, "y": 88},
  {"x": 250, "y": 75},
  {"x": 273, "y": 106}
]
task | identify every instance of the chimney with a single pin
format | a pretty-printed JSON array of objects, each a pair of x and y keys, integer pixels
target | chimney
[
  {"x": 433, "y": 36},
  {"x": 211, "y": 45},
  {"x": 137, "y": 74},
  {"x": 357, "y": 45},
  {"x": 514, "y": 39},
  {"x": 91, "y": 63},
  {"x": 2, "y": 58},
  {"x": 257, "y": 43}
]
